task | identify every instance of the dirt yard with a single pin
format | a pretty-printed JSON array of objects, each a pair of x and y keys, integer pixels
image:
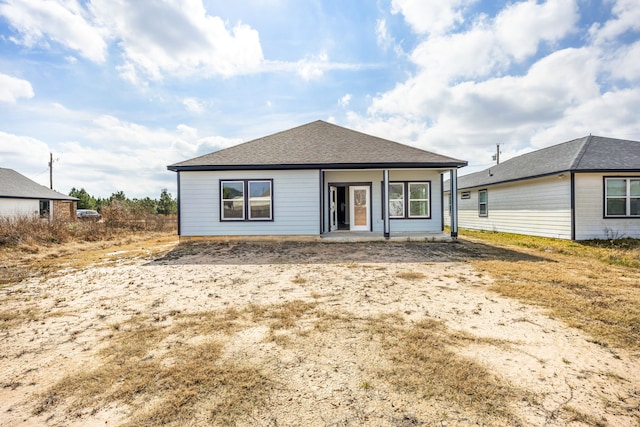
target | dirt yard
[{"x": 297, "y": 334}]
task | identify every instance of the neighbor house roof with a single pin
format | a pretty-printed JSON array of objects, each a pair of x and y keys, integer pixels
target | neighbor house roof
[
  {"x": 317, "y": 145},
  {"x": 16, "y": 186},
  {"x": 587, "y": 154}
]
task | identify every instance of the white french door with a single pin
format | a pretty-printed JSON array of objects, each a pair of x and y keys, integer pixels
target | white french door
[
  {"x": 333, "y": 208},
  {"x": 359, "y": 204}
]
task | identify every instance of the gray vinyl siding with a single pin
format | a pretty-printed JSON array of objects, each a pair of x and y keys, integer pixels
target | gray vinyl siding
[
  {"x": 296, "y": 205},
  {"x": 375, "y": 177},
  {"x": 590, "y": 221},
  {"x": 537, "y": 207}
]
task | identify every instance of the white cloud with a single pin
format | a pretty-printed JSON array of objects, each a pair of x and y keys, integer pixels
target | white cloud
[
  {"x": 177, "y": 38},
  {"x": 344, "y": 101},
  {"x": 12, "y": 88},
  {"x": 313, "y": 66},
  {"x": 626, "y": 18},
  {"x": 431, "y": 17},
  {"x": 62, "y": 21},
  {"x": 193, "y": 105}
]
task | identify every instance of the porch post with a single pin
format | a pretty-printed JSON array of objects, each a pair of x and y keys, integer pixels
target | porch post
[
  {"x": 385, "y": 203},
  {"x": 453, "y": 197}
]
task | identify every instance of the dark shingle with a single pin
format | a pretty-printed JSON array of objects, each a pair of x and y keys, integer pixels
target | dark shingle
[
  {"x": 587, "y": 154},
  {"x": 317, "y": 144},
  {"x": 16, "y": 186}
]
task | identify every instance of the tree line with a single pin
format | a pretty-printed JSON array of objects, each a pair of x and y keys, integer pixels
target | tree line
[{"x": 165, "y": 205}]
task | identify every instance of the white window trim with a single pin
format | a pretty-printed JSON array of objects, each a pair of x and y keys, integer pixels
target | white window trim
[
  {"x": 401, "y": 184},
  {"x": 258, "y": 199},
  {"x": 427, "y": 199},
  {"x": 485, "y": 203},
  {"x": 246, "y": 200},
  {"x": 628, "y": 197}
]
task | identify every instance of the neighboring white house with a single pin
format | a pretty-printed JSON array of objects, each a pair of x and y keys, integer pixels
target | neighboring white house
[
  {"x": 20, "y": 196},
  {"x": 310, "y": 180},
  {"x": 588, "y": 188}
]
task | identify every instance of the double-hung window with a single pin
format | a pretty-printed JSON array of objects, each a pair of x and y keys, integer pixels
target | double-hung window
[
  {"x": 409, "y": 200},
  {"x": 622, "y": 197},
  {"x": 396, "y": 200},
  {"x": 419, "y": 200},
  {"x": 483, "y": 203},
  {"x": 246, "y": 200}
]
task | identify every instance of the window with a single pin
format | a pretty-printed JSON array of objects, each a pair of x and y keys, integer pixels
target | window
[
  {"x": 396, "y": 200},
  {"x": 419, "y": 200},
  {"x": 409, "y": 200},
  {"x": 246, "y": 200},
  {"x": 483, "y": 203},
  {"x": 622, "y": 197},
  {"x": 45, "y": 208},
  {"x": 465, "y": 195},
  {"x": 259, "y": 200}
]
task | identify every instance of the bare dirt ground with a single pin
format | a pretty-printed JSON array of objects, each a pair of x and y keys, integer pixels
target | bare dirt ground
[{"x": 331, "y": 365}]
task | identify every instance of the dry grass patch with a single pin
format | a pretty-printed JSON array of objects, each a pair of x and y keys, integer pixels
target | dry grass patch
[
  {"x": 410, "y": 275},
  {"x": 575, "y": 281},
  {"x": 426, "y": 366},
  {"x": 164, "y": 384}
]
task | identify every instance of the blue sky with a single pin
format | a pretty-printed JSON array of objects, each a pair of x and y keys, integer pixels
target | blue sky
[{"x": 118, "y": 89}]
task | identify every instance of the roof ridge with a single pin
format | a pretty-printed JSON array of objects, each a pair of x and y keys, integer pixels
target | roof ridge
[{"x": 583, "y": 149}]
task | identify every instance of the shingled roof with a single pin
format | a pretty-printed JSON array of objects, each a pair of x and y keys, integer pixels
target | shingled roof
[
  {"x": 587, "y": 154},
  {"x": 318, "y": 145},
  {"x": 17, "y": 186}
]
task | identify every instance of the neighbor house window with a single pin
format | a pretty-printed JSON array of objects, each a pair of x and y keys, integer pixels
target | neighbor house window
[
  {"x": 483, "y": 203},
  {"x": 246, "y": 200},
  {"x": 45, "y": 208},
  {"x": 622, "y": 197},
  {"x": 409, "y": 200}
]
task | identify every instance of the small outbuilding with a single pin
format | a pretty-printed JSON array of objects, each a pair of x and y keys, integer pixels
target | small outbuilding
[
  {"x": 20, "y": 196},
  {"x": 317, "y": 179},
  {"x": 587, "y": 188}
]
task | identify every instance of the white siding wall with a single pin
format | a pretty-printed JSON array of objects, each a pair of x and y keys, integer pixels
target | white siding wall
[
  {"x": 18, "y": 207},
  {"x": 375, "y": 177},
  {"x": 590, "y": 221},
  {"x": 538, "y": 207},
  {"x": 296, "y": 204}
]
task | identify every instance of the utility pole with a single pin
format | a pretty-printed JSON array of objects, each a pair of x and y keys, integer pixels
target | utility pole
[
  {"x": 51, "y": 170},
  {"x": 496, "y": 156}
]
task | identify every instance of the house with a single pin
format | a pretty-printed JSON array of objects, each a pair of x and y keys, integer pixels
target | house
[
  {"x": 588, "y": 188},
  {"x": 20, "y": 196},
  {"x": 313, "y": 180}
]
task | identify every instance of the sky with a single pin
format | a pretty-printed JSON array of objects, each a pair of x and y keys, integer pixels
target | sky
[{"x": 116, "y": 90}]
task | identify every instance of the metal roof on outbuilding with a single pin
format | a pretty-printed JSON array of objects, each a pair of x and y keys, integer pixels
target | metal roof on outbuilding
[
  {"x": 318, "y": 145},
  {"x": 14, "y": 185}
]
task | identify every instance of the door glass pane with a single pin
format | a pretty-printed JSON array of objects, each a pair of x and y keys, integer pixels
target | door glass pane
[
  {"x": 616, "y": 187},
  {"x": 360, "y": 207},
  {"x": 616, "y": 206}
]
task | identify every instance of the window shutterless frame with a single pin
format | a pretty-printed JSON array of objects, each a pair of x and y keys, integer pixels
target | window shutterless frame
[
  {"x": 622, "y": 197},
  {"x": 483, "y": 203},
  {"x": 246, "y": 200},
  {"x": 409, "y": 200}
]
